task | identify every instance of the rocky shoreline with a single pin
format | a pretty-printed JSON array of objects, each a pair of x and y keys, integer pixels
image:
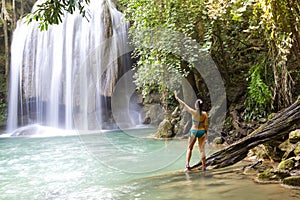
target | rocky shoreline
[{"x": 286, "y": 171}]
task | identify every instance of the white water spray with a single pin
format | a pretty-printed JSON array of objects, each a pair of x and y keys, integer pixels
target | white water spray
[{"x": 60, "y": 77}]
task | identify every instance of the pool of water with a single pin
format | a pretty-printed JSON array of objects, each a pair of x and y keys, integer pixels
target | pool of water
[{"x": 116, "y": 165}]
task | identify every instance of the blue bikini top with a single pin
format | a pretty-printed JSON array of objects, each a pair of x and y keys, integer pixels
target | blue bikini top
[{"x": 199, "y": 122}]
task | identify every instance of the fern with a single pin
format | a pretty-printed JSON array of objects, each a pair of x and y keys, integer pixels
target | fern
[{"x": 258, "y": 95}]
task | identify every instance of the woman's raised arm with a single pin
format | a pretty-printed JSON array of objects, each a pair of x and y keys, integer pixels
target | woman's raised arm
[{"x": 186, "y": 107}]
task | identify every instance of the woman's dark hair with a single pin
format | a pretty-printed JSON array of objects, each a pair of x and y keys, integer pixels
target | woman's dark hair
[{"x": 199, "y": 103}]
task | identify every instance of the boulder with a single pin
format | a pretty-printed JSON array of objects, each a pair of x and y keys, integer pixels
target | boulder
[
  {"x": 294, "y": 136},
  {"x": 176, "y": 113},
  {"x": 292, "y": 181},
  {"x": 154, "y": 114},
  {"x": 273, "y": 152},
  {"x": 285, "y": 146},
  {"x": 297, "y": 150},
  {"x": 287, "y": 164},
  {"x": 165, "y": 129},
  {"x": 273, "y": 175},
  {"x": 218, "y": 140}
]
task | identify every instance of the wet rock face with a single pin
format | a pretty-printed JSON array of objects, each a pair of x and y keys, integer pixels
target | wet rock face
[
  {"x": 152, "y": 109},
  {"x": 106, "y": 17},
  {"x": 153, "y": 114}
]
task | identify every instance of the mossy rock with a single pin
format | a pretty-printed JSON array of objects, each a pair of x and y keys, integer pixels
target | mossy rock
[
  {"x": 294, "y": 136},
  {"x": 273, "y": 175},
  {"x": 274, "y": 152},
  {"x": 218, "y": 140},
  {"x": 297, "y": 151},
  {"x": 285, "y": 146},
  {"x": 259, "y": 152},
  {"x": 287, "y": 164},
  {"x": 292, "y": 181},
  {"x": 165, "y": 129}
]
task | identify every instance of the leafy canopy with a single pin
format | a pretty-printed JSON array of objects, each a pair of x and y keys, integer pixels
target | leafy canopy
[
  {"x": 50, "y": 12},
  {"x": 163, "y": 33}
]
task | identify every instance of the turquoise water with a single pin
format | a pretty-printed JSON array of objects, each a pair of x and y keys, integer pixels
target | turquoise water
[{"x": 116, "y": 165}]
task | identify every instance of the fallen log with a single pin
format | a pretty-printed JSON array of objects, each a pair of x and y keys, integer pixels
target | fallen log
[{"x": 280, "y": 125}]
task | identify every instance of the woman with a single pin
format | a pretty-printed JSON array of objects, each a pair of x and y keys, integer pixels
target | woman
[{"x": 198, "y": 130}]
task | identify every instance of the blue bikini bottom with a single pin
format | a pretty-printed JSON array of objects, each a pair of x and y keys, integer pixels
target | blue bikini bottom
[{"x": 198, "y": 133}]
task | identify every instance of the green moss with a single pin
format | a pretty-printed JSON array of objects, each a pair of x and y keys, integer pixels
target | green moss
[
  {"x": 270, "y": 116},
  {"x": 294, "y": 136},
  {"x": 293, "y": 181},
  {"x": 218, "y": 140},
  {"x": 273, "y": 175},
  {"x": 286, "y": 164},
  {"x": 297, "y": 151},
  {"x": 267, "y": 175}
]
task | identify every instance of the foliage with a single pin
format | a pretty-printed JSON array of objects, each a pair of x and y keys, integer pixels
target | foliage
[
  {"x": 238, "y": 33},
  {"x": 156, "y": 75},
  {"x": 3, "y": 113},
  {"x": 51, "y": 11},
  {"x": 259, "y": 95},
  {"x": 279, "y": 22},
  {"x": 247, "y": 32},
  {"x": 163, "y": 33}
]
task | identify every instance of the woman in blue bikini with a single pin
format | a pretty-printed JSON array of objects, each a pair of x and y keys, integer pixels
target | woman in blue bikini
[{"x": 198, "y": 130}]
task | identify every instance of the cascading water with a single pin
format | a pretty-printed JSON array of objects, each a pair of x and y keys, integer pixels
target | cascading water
[{"x": 64, "y": 77}]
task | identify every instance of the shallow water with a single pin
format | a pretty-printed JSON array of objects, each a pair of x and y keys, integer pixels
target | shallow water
[{"x": 116, "y": 165}]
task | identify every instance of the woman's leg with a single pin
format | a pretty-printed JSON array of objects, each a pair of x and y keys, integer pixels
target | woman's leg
[
  {"x": 192, "y": 140},
  {"x": 201, "y": 144}
]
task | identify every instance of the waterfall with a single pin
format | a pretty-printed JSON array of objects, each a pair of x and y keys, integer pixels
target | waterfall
[{"x": 65, "y": 76}]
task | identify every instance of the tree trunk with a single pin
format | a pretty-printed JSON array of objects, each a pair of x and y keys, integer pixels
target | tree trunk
[
  {"x": 281, "y": 125},
  {"x": 14, "y": 15},
  {"x": 4, "y": 18},
  {"x": 21, "y": 9}
]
